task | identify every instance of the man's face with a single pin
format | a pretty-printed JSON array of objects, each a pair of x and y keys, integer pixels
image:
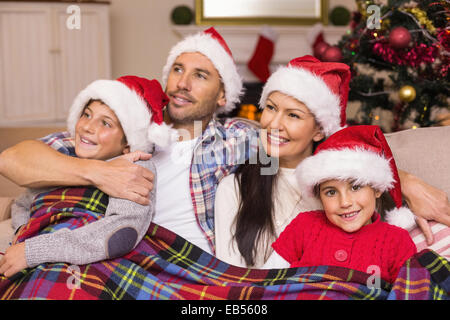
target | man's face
[{"x": 194, "y": 88}]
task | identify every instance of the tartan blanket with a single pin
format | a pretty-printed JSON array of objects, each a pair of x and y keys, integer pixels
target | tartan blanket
[{"x": 166, "y": 266}]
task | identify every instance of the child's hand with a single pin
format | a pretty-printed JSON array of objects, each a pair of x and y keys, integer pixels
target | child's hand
[
  {"x": 136, "y": 156},
  {"x": 14, "y": 260}
]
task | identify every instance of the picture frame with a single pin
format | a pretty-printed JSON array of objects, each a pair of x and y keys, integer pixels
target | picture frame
[{"x": 255, "y": 12}]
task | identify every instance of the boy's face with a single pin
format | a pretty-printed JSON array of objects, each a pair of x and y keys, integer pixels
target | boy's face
[
  {"x": 194, "y": 88},
  {"x": 291, "y": 129},
  {"x": 347, "y": 205},
  {"x": 98, "y": 133}
]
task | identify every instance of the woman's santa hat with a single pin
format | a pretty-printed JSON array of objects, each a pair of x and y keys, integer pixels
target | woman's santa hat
[
  {"x": 360, "y": 154},
  {"x": 322, "y": 86},
  {"x": 211, "y": 44},
  {"x": 138, "y": 104}
]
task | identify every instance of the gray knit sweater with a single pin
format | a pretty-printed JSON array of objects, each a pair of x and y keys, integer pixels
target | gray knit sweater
[{"x": 123, "y": 227}]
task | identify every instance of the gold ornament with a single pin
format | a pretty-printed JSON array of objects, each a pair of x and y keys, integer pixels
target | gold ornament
[{"x": 407, "y": 93}]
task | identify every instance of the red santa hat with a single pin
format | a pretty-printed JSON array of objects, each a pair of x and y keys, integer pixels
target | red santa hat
[
  {"x": 138, "y": 104},
  {"x": 360, "y": 154},
  {"x": 211, "y": 44},
  {"x": 322, "y": 86}
]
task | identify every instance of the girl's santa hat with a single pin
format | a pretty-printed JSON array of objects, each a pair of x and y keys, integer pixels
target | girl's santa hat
[
  {"x": 211, "y": 44},
  {"x": 138, "y": 104},
  {"x": 322, "y": 86},
  {"x": 360, "y": 154}
]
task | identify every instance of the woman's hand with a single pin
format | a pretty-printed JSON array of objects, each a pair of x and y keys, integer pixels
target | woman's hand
[
  {"x": 14, "y": 260},
  {"x": 426, "y": 202}
]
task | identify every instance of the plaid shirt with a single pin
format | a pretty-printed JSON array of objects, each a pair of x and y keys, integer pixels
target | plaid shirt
[{"x": 223, "y": 146}]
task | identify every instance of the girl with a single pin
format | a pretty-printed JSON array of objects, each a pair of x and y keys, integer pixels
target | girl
[
  {"x": 107, "y": 119},
  {"x": 348, "y": 172}
]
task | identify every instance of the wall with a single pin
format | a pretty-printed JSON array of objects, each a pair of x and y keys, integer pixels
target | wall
[{"x": 142, "y": 35}]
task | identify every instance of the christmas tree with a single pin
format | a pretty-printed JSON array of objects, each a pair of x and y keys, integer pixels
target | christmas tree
[{"x": 399, "y": 54}]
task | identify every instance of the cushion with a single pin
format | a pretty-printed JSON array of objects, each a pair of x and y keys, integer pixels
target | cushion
[{"x": 425, "y": 152}]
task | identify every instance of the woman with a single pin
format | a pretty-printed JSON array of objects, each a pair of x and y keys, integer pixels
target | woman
[{"x": 303, "y": 104}]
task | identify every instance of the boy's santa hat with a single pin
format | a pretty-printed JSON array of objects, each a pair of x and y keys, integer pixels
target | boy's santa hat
[
  {"x": 360, "y": 154},
  {"x": 211, "y": 44},
  {"x": 322, "y": 86},
  {"x": 138, "y": 104}
]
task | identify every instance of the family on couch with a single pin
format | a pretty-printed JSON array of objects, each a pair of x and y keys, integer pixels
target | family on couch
[{"x": 226, "y": 208}]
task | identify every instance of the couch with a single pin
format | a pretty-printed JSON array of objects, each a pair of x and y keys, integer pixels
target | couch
[{"x": 424, "y": 152}]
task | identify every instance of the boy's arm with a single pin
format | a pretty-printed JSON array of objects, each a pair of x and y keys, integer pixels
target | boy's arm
[
  {"x": 123, "y": 227},
  {"x": 35, "y": 164},
  {"x": 20, "y": 209}
]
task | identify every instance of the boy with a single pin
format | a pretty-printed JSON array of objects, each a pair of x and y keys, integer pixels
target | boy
[{"x": 107, "y": 119}]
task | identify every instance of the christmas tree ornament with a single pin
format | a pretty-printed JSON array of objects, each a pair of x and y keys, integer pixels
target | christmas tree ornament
[
  {"x": 407, "y": 93},
  {"x": 319, "y": 49},
  {"x": 332, "y": 54},
  {"x": 399, "y": 37}
]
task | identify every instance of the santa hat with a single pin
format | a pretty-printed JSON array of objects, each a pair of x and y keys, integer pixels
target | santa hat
[
  {"x": 211, "y": 44},
  {"x": 360, "y": 154},
  {"x": 138, "y": 104},
  {"x": 322, "y": 86}
]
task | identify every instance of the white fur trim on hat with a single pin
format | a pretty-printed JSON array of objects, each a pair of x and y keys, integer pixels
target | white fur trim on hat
[
  {"x": 130, "y": 108},
  {"x": 222, "y": 61},
  {"x": 363, "y": 166},
  {"x": 309, "y": 89},
  {"x": 401, "y": 217}
]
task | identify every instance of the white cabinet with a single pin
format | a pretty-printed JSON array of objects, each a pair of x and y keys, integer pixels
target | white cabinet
[{"x": 44, "y": 63}]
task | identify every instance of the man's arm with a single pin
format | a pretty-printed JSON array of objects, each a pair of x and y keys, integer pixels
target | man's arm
[
  {"x": 34, "y": 164},
  {"x": 426, "y": 202}
]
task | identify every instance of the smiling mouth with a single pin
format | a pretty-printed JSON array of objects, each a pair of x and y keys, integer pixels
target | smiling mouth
[
  {"x": 181, "y": 100},
  {"x": 350, "y": 215},
  {"x": 276, "y": 140},
  {"x": 86, "y": 141}
]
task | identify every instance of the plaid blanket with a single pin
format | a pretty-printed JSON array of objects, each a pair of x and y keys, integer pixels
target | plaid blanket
[{"x": 166, "y": 266}]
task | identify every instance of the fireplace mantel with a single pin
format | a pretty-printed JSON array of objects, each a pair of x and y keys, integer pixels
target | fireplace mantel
[{"x": 292, "y": 42}]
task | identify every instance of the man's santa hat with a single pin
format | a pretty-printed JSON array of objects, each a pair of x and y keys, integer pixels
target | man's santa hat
[
  {"x": 138, "y": 104},
  {"x": 360, "y": 154},
  {"x": 211, "y": 44},
  {"x": 322, "y": 86}
]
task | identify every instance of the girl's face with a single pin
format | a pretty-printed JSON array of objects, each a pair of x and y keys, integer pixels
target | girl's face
[
  {"x": 98, "y": 133},
  {"x": 291, "y": 129},
  {"x": 347, "y": 205}
]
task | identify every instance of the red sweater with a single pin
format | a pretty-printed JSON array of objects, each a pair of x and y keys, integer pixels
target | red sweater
[{"x": 311, "y": 240}]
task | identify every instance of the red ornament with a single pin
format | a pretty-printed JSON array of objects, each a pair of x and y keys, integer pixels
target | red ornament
[
  {"x": 399, "y": 38},
  {"x": 319, "y": 49},
  {"x": 332, "y": 54}
]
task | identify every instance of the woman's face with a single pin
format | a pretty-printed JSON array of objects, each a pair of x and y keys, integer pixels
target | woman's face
[{"x": 290, "y": 129}]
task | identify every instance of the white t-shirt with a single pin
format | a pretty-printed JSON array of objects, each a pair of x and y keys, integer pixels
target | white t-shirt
[{"x": 174, "y": 209}]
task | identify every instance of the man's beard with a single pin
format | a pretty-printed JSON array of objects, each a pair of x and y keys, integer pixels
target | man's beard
[{"x": 197, "y": 113}]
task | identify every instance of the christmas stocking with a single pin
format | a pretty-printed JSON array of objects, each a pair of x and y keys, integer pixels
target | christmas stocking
[{"x": 264, "y": 50}]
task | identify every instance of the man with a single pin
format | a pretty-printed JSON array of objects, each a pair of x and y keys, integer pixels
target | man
[{"x": 201, "y": 79}]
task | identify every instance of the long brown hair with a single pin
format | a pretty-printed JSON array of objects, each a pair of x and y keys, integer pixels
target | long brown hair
[{"x": 254, "y": 217}]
